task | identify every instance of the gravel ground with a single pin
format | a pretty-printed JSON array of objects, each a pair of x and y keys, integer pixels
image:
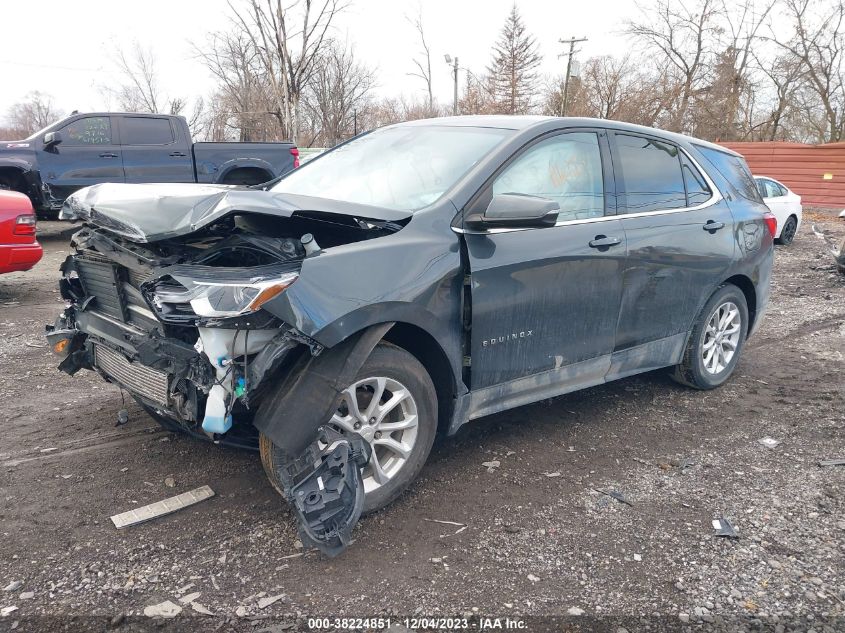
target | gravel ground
[{"x": 543, "y": 537}]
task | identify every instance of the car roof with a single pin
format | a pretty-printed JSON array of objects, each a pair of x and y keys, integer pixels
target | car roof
[{"x": 523, "y": 122}]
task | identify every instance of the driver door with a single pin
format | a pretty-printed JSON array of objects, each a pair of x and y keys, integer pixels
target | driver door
[
  {"x": 88, "y": 155},
  {"x": 545, "y": 301}
]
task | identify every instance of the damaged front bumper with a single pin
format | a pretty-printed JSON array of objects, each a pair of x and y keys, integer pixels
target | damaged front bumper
[
  {"x": 323, "y": 485},
  {"x": 206, "y": 374}
]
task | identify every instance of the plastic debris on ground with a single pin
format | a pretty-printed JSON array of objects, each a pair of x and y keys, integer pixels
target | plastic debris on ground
[
  {"x": 724, "y": 528},
  {"x": 162, "y": 508}
]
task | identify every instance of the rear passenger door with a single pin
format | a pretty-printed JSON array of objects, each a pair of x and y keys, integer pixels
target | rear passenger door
[
  {"x": 153, "y": 150},
  {"x": 680, "y": 241}
]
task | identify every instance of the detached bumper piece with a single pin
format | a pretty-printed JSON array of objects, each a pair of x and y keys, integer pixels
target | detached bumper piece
[{"x": 329, "y": 494}]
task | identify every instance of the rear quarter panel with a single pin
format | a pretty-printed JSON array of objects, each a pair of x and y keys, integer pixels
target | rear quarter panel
[{"x": 754, "y": 255}]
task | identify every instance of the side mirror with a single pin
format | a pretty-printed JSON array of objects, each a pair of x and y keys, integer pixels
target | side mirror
[
  {"x": 515, "y": 210},
  {"x": 52, "y": 138}
]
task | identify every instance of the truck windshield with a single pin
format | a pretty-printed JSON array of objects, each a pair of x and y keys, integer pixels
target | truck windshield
[{"x": 404, "y": 168}]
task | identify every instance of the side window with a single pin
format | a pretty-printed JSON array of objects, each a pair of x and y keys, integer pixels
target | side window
[
  {"x": 734, "y": 169},
  {"x": 761, "y": 187},
  {"x": 779, "y": 189},
  {"x": 651, "y": 171},
  {"x": 565, "y": 168},
  {"x": 138, "y": 130},
  {"x": 698, "y": 192},
  {"x": 90, "y": 130},
  {"x": 771, "y": 189}
]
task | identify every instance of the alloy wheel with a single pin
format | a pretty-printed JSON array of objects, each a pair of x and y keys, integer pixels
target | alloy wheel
[
  {"x": 382, "y": 411},
  {"x": 788, "y": 232},
  {"x": 721, "y": 337}
]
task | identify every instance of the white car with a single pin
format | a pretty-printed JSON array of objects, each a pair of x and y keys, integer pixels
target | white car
[{"x": 785, "y": 204}]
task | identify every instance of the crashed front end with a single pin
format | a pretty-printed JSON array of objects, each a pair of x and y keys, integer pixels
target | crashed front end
[
  {"x": 175, "y": 319},
  {"x": 175, "y": 323}
]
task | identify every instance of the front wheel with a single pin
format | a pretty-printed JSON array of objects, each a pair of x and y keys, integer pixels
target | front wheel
[
  {"x": 787, "y": 233},
  {"x": 716, "y": 341},
  {"x": 393, "y": 405}
]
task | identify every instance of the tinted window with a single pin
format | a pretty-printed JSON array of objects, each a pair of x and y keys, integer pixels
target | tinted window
[
  {"x": 91, "y": 130},
  {"x": 735, "y": 171},
  {"x": 145, "y": 131},
  {"x": 651, "y": 171},
  {"x": 565, "y": 168},
  {"x": 405, "y": 167},
  {"x": 697, "y": 190}
]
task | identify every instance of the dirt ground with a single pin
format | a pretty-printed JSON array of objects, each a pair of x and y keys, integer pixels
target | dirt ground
[{"x": 541, "y": 540}]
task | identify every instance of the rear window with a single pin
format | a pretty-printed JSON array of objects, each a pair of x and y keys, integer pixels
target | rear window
[
  {"x": 735, "y": 170},
  {"x": 651, "y": 170},
  {"x": 145, "y": 131}
]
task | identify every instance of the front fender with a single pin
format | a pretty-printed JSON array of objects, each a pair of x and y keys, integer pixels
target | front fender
[{"x": 307, "y": 397}]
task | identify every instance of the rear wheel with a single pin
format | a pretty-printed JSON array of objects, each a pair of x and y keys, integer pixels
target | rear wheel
[
  {"x": 716, "y": 341},
  {"x": 392, "y": 404},
  {"x": 787, "y": 233},
  {"x": 246, "y": 176}
]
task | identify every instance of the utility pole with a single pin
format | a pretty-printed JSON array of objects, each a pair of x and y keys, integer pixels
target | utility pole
[
  {"x": 571, "y": 41},
  {"x": 454, "y": 64}
]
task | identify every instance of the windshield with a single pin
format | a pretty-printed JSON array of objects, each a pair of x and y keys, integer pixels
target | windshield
[{"x": 403, "y": 168}]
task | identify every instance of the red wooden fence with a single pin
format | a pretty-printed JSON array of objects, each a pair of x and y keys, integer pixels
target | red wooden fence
[{"x": 814, "y": 172}]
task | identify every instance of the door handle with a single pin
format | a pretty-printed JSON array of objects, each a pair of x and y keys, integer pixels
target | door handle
[
  {"x": 178, "y": 154},
  {"x": 602, "y": 241},
  {"x": 108, "y": 155},
  {"x": 712, "y": 226}
]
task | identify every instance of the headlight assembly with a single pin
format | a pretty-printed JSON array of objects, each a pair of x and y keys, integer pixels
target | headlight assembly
[{"x": 228, "y": 298}]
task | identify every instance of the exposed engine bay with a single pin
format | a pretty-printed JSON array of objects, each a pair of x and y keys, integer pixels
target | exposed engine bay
[{"x": 178, "y": 322}]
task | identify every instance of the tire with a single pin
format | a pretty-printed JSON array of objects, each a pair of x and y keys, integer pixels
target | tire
[
  {"x": 398, "y": 369},
  {"x": 698, "y": 368},
  {"x": 246, "y": 176},
  {"x": 787, "y": 233}
]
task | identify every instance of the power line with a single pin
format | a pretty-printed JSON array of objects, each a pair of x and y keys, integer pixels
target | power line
[{"x": 571, "y": 41}]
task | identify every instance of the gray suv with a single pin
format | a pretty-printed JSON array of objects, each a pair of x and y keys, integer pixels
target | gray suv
[{"x": 408, "y": 281}]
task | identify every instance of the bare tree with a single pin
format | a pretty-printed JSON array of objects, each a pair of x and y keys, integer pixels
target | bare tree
[
  {"x": 478, "y": 96},
  {"x": 742, "y": 21},
  {"x": 423, "y": 65},
  {"x": 513, "y": 67},
  {"x": 340, "y": 87},
  {"x": 139, "y": 90},
  {"x": 683, "y": 38},
  {"x": 817, "y": 44},
  {"x": 241, "y": 105},
  {"x": 288, "y": 39},
  {"x": 35, "y": 112},
  {"x": 784, "y": 74}
]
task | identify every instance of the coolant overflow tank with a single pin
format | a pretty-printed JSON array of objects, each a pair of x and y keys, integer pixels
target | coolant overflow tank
[{"x": 309, "y": 244}]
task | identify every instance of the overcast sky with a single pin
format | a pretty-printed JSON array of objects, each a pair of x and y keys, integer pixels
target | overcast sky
[{"x": 66, "y": 49}]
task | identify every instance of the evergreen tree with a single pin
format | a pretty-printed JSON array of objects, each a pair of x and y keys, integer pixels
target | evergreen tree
[{"x": 512, "y": 70}]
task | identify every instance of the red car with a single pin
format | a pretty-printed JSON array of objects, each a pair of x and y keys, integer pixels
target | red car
[{"x": 18, "y": 248}]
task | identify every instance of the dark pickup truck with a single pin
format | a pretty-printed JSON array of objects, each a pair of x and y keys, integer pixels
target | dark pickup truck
[{"x": 88, "y": 149}]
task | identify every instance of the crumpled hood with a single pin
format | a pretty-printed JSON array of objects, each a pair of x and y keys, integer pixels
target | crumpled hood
[{"x": 153, "y": 212}]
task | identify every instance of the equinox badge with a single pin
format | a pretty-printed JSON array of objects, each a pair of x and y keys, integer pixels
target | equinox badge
[{"x": 489, "y": 342}]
